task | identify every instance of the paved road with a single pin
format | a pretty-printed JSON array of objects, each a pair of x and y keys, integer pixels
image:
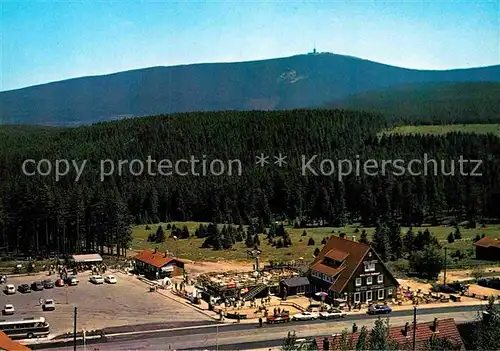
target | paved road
[{"x": 245, "y": 336}]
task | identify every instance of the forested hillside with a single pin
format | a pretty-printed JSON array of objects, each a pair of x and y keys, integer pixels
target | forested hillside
[
  {"x": 38, "y": 212},
  {"x": 430, "y": 103}
]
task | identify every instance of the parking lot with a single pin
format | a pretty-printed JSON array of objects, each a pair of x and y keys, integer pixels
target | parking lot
[{"x": 128, "y": 302}]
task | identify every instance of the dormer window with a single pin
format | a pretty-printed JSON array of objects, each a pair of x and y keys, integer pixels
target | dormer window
[{"x": 370, "y": 266}]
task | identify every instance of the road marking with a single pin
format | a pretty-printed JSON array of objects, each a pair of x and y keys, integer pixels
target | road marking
[{"x": 169, "y": 329}]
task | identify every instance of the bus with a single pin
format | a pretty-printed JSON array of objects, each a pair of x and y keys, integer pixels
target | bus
[{"x": 26, "y": 328}]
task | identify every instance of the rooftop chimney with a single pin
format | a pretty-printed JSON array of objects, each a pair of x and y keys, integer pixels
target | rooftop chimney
[
  {"x": 342, "y": 235},
  {"x": 165, "y": 255},
  {"x": 156, "y": 250},
  {"x": 354, "y": 238},
  {"x": 407, "y": 329},
  {"x": 435, "y": 325}
]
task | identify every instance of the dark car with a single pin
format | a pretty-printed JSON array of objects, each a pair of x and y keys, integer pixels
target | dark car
[
  {"x": 71, "y": 280},
  {"x": 37, "y": 286},
  {"x": 379, "y": 309},
  {"x": 48, "y": 284},
  {"x": 24, "y": 288}
]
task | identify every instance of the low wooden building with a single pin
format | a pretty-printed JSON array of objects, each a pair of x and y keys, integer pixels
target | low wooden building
[
  {"x": 488, "y": 249},
  {"x": 86, "y": 259},
  {"x": 294, "y": 286},
  {"x": 156, "y": 265}
]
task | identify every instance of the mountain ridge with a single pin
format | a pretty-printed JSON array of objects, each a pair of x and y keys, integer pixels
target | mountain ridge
[{"x": 312, "y": 81}]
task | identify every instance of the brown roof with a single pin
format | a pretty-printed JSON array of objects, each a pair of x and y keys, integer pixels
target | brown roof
[
  {"x": 329, "y": 271},
  {"x": 354, "y": 253},
  {"x": 487, "y": 242},
  {"x": 7, "y": 344},
  {"x": 336, "y": 255},
  {"x": 446, "y": 329},
  {"x": 155, "y": 259}
]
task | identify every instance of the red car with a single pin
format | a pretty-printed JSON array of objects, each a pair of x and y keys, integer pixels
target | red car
[{"x": 59, "y": 282}]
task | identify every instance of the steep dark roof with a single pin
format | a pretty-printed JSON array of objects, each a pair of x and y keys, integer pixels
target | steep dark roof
[
  {"x": 446, "y": 329},
  {"x": 351, "y": 253},
  {"x": 296, "y": 281}
]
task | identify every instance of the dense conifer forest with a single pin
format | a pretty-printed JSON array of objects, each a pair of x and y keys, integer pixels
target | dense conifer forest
[{"x": 40, "y": 214}]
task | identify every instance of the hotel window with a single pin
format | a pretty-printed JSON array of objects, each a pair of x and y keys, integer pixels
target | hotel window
[
  {"x": 381, "y": 294},
  {"x": 358, "y": 281},
  {"x": 369, "y": 280},
  {"x": 389, "y": 291},
  {"x": 357, "y": 297},
  {"x": 380, "y": 279}
]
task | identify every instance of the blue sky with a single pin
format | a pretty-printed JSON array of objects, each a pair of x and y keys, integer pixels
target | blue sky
[{"x": 49, "y": 41}]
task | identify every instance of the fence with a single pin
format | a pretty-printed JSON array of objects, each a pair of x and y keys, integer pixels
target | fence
[{"x": 292, "y": 304}]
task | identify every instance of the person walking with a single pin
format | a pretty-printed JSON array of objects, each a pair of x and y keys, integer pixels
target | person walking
[{"x": 260, "y": 322}]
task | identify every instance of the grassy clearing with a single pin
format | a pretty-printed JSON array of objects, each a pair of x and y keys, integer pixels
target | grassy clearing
[
  {"x": 444, "y": 129},
  {"x": 191, "y": 248}
]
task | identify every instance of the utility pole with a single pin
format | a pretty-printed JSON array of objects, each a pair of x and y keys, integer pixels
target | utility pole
[
  {"x": 217, "y": 338},
  {"x": 74, "y": 331},
  {"x": 444, "y": 278},
  {"x": 414, "y": 327}
]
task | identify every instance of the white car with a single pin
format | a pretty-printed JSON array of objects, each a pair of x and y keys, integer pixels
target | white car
[
  {"x": 332, "y": 314},
  {"x": 9, "y": 289},
  {"x": 8, "y": 309},
  {"x": 110, "y": 279},
  {"x": 305, "y": 316},
  {"x": 49, "y": 305},
  {"x": 96, "y": 279}
]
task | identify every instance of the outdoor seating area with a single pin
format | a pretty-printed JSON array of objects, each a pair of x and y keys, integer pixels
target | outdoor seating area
[{"x": 246, "y": 285}]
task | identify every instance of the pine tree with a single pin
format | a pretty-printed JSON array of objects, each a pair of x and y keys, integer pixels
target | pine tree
[
  {"x": 316, "y": 252},
  {"x": 364, "y": 238},
  {"x": 256, "y": 240},
  {"x": 451, "y": 238},
  {"x": 160, "y": 235},
  {"x": 409, "y": 242},
  {"x": 486, "y": 331},
  {"x": 362, "y": 342},
  {"x": 249, "y": 242},
  {"x": 311, "y": 242},
  {"x": 380, "y": 241}
]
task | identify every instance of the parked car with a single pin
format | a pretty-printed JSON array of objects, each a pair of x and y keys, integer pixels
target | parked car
[
  {"x": 110, "y": 279},
  {"x": 332, "y": 314},
  {"x": 49, "y": 305},
  {"x": 305, "y": 316},
  {"x": 8, "y": 310},
  {"x": 37, "y": 286},
  {"x": 71, "y": 280},
  {"x": 379, "y": 309},
  {"x": 96, "y": 279},
  {"x": 9, "y": 289},
  {"x": 59, "y": 283},
  {"x": 24, "y": 288},
  {"x": 48, "y": 284}
]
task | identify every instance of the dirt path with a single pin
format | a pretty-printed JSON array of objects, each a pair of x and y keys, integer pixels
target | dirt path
[{"x": 219, "y": 266}]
